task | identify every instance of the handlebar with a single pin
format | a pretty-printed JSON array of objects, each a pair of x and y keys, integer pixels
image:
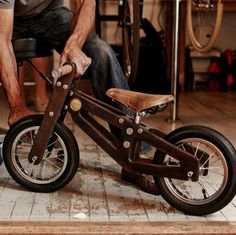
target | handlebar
[{"x": 59, "y": 72}]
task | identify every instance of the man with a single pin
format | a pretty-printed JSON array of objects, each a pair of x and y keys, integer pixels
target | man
[{"x": 70, "y": 34}]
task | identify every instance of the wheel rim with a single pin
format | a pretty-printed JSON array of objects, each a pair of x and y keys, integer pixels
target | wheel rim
[
  {"x": 51, "y": 167},
  {"x": 204, "y": 18},
  {"x": 130, "y": 34},
  {"x": 210, "y": 185}
]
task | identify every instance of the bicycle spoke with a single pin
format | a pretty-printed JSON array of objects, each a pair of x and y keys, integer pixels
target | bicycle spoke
[
  {"x": 52, "y": 164},
  {"x": 212, "y": 173}
]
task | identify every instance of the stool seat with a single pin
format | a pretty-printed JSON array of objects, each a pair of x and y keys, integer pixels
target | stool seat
[{"x": 31, "y": 48}]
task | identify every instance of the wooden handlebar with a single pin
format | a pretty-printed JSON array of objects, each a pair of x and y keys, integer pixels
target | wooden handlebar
[{"x": 59, "y": 72}]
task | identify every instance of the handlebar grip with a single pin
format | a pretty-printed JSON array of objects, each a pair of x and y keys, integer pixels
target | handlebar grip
[{"x": 59, "y": 72}]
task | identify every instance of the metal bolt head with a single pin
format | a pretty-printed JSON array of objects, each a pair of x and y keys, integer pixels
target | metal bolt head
[
  {"x": 65, "y": 86},
  {"x": 121, "y": 120},
  {"x": 142, "y": 114},
  {"x": 51, "y": 114},
  {"x": 129, "y": 131},
  {"x": 126, "y": 144},
  {"x": 140, "y": 130},
  {"x": 189, "y": 174},
  {"x": 58, "y": 83}
]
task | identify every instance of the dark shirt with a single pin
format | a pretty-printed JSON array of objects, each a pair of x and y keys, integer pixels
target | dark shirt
[{"x": 29, "y": 8}]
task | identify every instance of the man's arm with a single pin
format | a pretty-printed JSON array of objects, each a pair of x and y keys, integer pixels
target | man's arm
[
  {"x": 82, "y": 25},
  {"x": 8, "y": 71},
  {"x": 83, "y": 21}
]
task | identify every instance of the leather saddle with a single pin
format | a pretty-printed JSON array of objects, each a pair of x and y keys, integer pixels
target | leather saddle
[{"x": 138, "y": 101}]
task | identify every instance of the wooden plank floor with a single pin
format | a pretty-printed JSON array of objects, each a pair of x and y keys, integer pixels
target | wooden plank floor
[{"x": 98, "y": 197}]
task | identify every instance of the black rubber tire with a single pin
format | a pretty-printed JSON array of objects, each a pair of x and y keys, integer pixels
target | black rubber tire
[
  {"x": 130, "y": 38},
  {"x": 224, "y": 194},
  {"x": 15, "y": 167}
]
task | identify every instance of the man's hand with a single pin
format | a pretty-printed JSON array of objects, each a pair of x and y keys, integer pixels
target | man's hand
[
  {"x": 82, "y": 24},
  {"x": 78, "y": 57}
]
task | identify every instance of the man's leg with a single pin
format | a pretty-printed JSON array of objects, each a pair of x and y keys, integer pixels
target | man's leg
[
  {"x": 12, "y": 87},
  {"x": 105, "y": 72},
  {"x": 105, "y": 69},
  {"x": 16, "y": 101},
  {"x": 15, "y": 97}
]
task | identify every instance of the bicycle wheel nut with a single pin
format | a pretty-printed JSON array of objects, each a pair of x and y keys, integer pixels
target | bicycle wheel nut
[{"x": 190, "y": 174}]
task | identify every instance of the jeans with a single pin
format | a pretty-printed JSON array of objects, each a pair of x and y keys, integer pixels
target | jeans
[{"x": 54, "y": 27}]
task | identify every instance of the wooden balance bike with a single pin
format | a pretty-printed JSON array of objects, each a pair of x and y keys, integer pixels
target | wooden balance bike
[{"x": 193, "y": 166}]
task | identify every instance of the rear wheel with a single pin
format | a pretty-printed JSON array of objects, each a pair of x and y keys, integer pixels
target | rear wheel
[
  {"x": 216, "y": 186},
  {"x": 204, "y": 18}
]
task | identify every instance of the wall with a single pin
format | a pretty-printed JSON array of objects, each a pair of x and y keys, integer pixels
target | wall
[
  {"x": 227, "y": 36},
  {"x": 152, "y": 9}
]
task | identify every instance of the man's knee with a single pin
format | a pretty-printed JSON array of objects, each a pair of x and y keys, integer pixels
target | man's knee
[{"x": 98, "y": 48}]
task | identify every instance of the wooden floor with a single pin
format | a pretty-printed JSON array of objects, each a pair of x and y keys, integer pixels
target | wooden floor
[{"x": 97, "y": 201}]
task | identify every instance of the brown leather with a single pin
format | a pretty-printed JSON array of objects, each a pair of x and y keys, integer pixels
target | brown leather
[{"x": 138, "y": 101}]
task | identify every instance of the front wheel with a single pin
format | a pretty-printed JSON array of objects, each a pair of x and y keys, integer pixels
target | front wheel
[
  {"x": 216, "y": 186},
  {"x": 60, "y": 160}
]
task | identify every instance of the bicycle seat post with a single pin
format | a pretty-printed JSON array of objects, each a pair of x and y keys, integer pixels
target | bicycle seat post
[{"x": 138, "y": 116}]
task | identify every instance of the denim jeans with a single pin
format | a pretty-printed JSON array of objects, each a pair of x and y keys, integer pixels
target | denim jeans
[{"x": 54, "y": 27}]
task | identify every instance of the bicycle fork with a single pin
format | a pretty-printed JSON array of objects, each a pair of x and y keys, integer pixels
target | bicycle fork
[{"x": 51, "y": 116}]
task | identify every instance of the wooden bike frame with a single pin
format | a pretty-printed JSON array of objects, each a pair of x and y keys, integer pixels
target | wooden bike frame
[{"x": 123, "y": 149}]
